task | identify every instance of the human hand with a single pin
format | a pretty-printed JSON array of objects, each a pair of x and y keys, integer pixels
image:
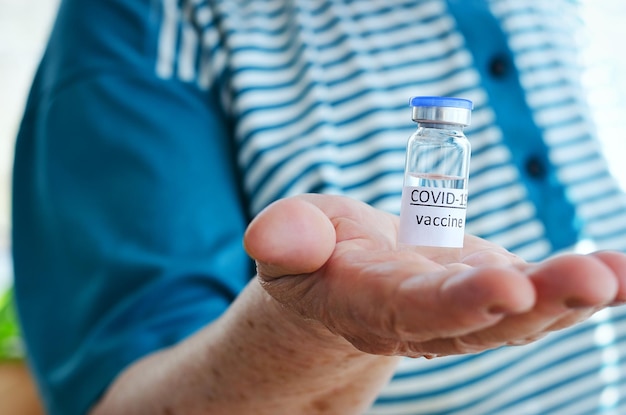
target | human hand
[{"x": 333, "y": 260}]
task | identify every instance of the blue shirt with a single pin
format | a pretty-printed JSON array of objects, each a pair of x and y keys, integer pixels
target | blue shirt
[{"x": 156, "y": 129}]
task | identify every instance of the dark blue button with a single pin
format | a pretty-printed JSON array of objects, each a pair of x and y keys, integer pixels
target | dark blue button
[
  {"x": 499, "y": 66},
  {"x": 535, "y": 167}
]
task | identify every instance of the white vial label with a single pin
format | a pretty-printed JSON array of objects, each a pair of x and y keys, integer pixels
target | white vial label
[{"x": 432, "y": 216}]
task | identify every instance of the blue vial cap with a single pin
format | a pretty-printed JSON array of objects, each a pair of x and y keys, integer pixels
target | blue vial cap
[{"x": 449, "y": 102}]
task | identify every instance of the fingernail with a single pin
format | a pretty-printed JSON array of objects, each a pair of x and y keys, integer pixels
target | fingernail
[
  {"x": 496, "y": 310},
  {"x": 576, "y": 303}
]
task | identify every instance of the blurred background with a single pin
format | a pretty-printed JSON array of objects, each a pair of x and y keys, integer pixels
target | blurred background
[{"x": 25, "y": 25}]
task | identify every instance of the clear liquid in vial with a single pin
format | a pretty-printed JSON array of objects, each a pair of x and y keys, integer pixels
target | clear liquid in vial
[
  {"x": 442, "y": 255},
  {"x": 435, "y": 180}
]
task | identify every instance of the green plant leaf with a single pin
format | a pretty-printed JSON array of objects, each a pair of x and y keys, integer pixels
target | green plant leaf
[{"x": 11, "y": 346}]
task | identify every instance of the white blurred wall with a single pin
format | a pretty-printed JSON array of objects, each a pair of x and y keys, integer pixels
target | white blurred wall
[
  {"x": 24, "y": 26},
  {"x": 606, "y": 77}
]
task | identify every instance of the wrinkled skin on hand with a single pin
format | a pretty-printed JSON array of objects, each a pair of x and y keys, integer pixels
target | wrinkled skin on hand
[{"x": 334, "y": 260}]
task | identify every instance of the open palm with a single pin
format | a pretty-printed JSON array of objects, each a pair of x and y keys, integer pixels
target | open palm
[{"x": 334, "y": 260}]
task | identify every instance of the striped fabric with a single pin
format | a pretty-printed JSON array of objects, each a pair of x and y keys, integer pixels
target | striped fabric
[
  {"x": 319, "y": 94},
  {"x": 544, "y": 40}
]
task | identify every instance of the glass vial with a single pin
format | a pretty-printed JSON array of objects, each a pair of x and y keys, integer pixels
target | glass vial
[{"x": 434, "y": 195}]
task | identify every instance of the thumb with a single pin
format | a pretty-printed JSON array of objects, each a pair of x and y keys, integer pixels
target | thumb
[{"x": 290, "y": 236}]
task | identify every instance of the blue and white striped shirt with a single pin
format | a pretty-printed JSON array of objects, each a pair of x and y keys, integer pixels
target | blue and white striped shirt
[{"x": 319, "y": 91}]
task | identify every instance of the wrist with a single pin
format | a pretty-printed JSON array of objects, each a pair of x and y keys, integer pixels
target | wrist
[
  {"x": 282, "y": 351},
  {"x": 292, "y": 329}
]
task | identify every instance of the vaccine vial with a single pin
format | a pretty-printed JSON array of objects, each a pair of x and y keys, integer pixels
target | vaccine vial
[{"x": 434, "y": 194}]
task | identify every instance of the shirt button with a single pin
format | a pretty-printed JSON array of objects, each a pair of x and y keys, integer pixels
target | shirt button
[
  {"x": 498, "y": 66},
  {"x": 535, "y": 167}
]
